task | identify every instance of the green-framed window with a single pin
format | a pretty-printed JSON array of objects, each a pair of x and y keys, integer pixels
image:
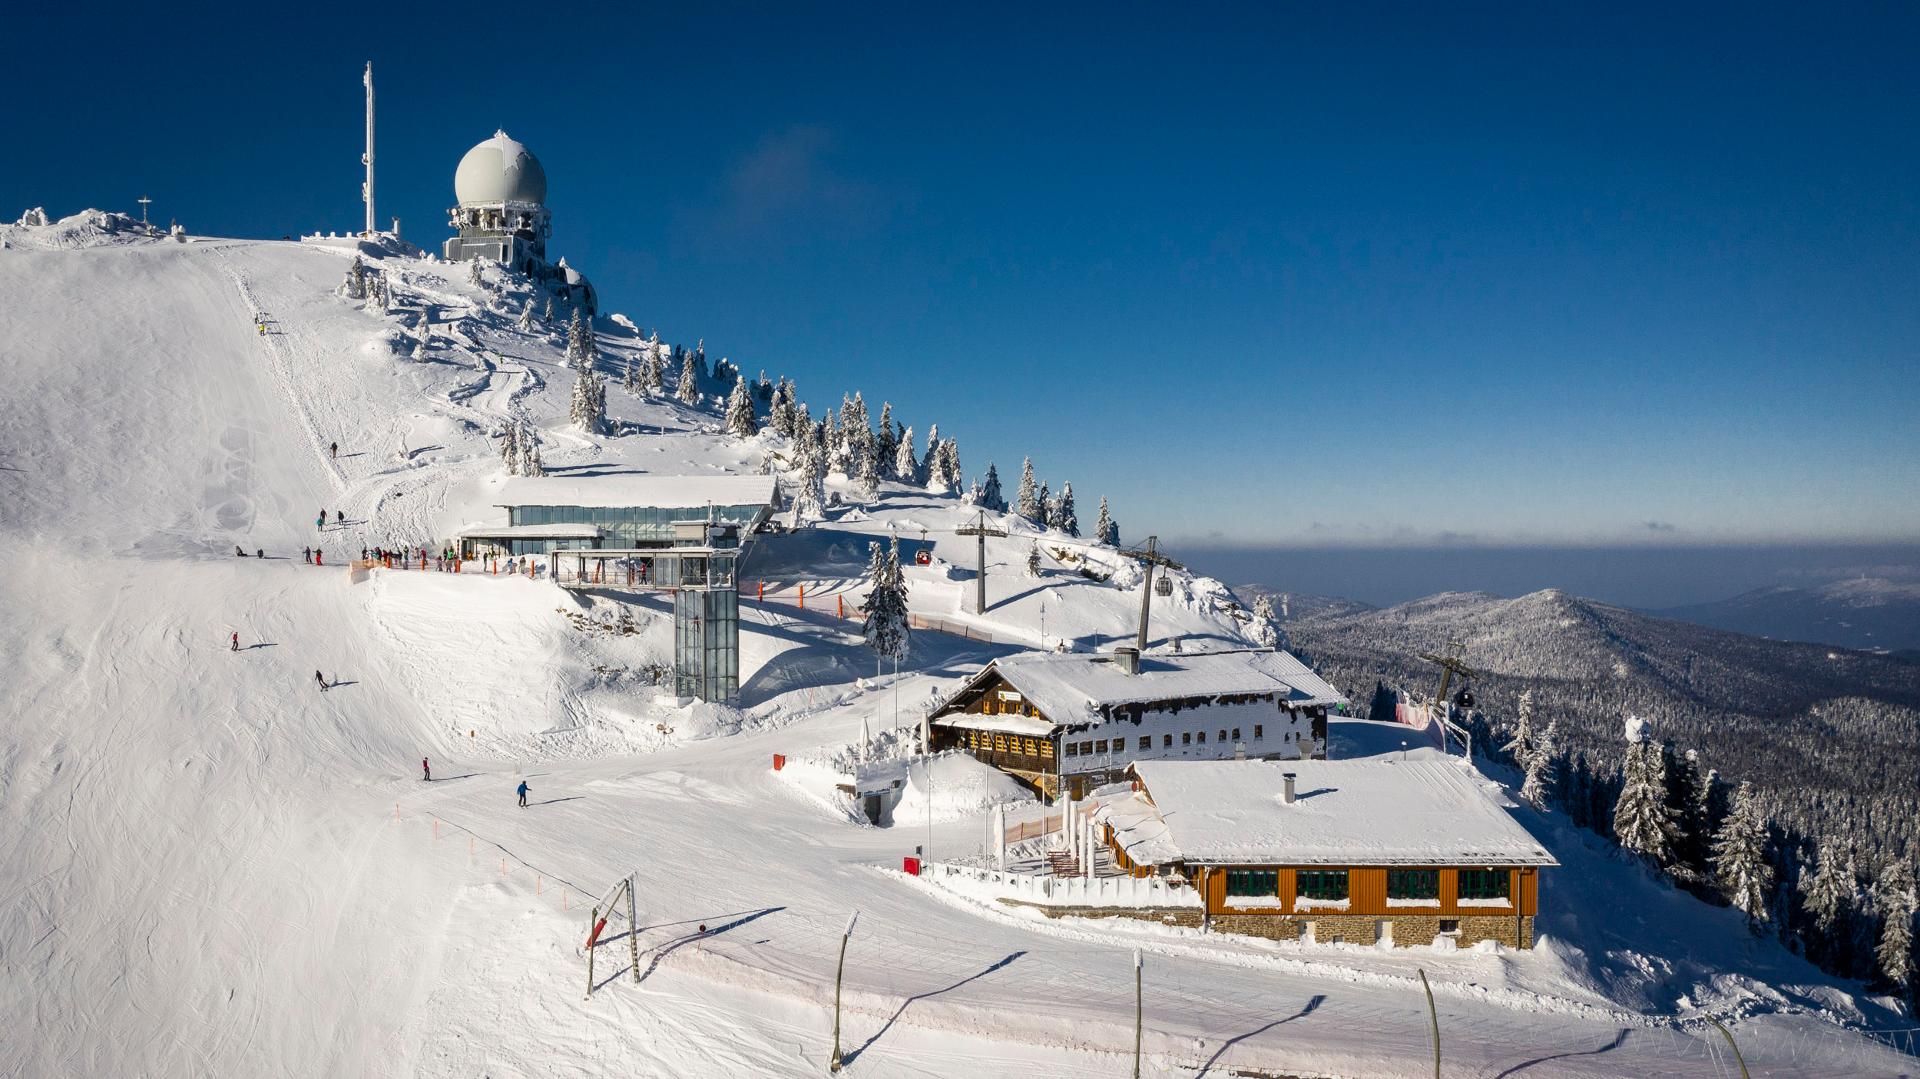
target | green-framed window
[
  {"x": 1486, "y": 884},
  {"x": 1253, "y": 882},
  {"x": 1413, "y": 884},
  {"x": 1320, "y": 883}
]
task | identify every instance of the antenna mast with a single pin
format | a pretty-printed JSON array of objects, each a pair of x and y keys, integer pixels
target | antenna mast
[{"x": 366, "y": 189}]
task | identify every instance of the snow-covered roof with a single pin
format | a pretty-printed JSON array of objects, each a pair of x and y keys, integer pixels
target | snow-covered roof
[
  {"x": 531, "y": 532},
  {"x": 1029, "y": 726},
  {"x": 661, "y": 492},
  {"x": 499, "y": 170},
  {"x": 1363, "y": 812},
  {"x": 1071, "y": 687}
]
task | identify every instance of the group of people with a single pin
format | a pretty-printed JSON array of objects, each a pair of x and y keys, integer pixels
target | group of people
[
  {"x": 426, "y": 774},
  {"x": 339, "y": 518},
  {"x": 312, "y": 556}
]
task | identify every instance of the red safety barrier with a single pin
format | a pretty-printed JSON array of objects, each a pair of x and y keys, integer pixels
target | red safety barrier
[
  {"x": 803, "y": 595},
  {"x": 910, "y": 866},
  {"x": 841, "y": 602}
]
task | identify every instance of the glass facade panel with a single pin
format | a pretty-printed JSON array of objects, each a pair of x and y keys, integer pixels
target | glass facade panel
[{"x": 1413, "y": 884}]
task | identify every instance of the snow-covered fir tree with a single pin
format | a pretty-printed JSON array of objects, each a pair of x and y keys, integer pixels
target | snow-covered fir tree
[
  {"x": 838, "y": 458},
  {"x": 525, "y": 322},
  {"x": 382, "y": 295},
  {"x": 699, "y": 355},
  {"x": 530, "y": 451},
  {"x": 510, "y": 447},
  {"x": 905, "y": 468},
  {"x": 938, "y": 478},
  {"x": 780, "y": 413},
  {"x": 991, "y": 497},
  {"x": 885, "y": 624},
  {"x": 1536, "y": 787},
  {"x": 1641, "y": 820},
  {"x": 1049, "y": 507},
  {"x": 933, "y": 446},
  {"x": 763, "y": 389},
  {"x": 1264, "y": 629},
  {"x": 656, "y": 376},
  {"x": 689, "y": 388},
  {"x": 583, "y": 349},
  {"x": 950, "y": 456},
  {"x": 741, "y": 422},
  {"x": 630, "y": 375},
  {"x": 1828, "y": 891},
  {"x": 1026, "y": 500},
  {"x": 589, "y": 406},
  {"x": 810, "y": 493},
  {"x": 474, "y": 277},
  {"x": 1739, "y": 857},
  {"x": 1521, "y": 744},
  {"x": 885, "y": 441},
  {"x": 546, "y": 316},
  {"x": 1033, "y": 560},
  {"x": 355, "y": 285},
  {"x": 866, "y": 476},
  {"x": 1894, "y": 894},
  {"x": 1066, "y": 520},
  {"x": 856, "y": 430},
  {"x": 423, "y": 336},
  {"x": 1109, "y": 530}
]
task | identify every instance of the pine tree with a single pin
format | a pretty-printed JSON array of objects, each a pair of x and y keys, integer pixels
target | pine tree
[
  {"x": 741, "y": 422},
  {"x": 473, "y": 273},
  {"x": 1521, "y": 745},
  {"x": 1026, "y": 501},
  {"x": 656, "y": 378},
  {"x": 810, "y": 494},
  {"x": 1063, "y": 511},
  {"x": 885, "y": 442},
  {"x": 1828, "y": 892},
  {"x": 382, "y": 295},
  {"x": 510, "y": 447},
  {"x": 1103, "y": 529},
  {"x": 856, "y": 431},
  {"x": 546, "y": 316},
  {"x": 933, "y": 445},
  {"x": 1536, "y": 789},
  {"x": 1049, "y": 508},
  {"x": 689, "y": 389},
  {"x": 423, "y": 337},
  {"x": 950, "y": 461},
  {"x": 1264, "y": 629},
  {"x": 885, "y": 625},
  {"x": 583, "y": 350},
  {"x": 866, "y": 476},
  {"x": 1740, "y": 859},
  {"x": 1640, "y": 816},
  {"x": 355, "y": 286},
  {"x": 1895, "y": 895},
  {"x": 1033, "y": 560},
  {"x": 905, "y": 468},
  {"x": 938, "y": 479},
  {"x": 589, "y": 406},
  {"x": 780, "y": 414},
  {"x": 530, "y": 451},
  {"x": 990, "y": 496},
  {"x": 630, "y": 376},
  {"x": 699, "y": 356},
  {"x": 525, "y": 323}
]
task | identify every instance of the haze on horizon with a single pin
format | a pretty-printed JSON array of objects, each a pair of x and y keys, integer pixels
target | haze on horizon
[{"x": 1378, "y": 276}]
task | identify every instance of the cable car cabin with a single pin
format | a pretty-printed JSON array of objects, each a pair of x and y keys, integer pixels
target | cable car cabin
[{"x": 1055, "y": 720}]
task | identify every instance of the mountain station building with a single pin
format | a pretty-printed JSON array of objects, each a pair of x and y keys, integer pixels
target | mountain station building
[
  {"x": 624, "y": 513},
  {"x": 1075, "y": 721}
]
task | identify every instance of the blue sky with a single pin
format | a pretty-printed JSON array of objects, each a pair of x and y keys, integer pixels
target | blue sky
[{"x": 1262, "y": 275}]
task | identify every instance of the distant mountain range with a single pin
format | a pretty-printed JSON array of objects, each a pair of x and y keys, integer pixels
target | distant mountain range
[
  {"x": 1830, "y": 737},
  {"x": 1864, "y": 612}
]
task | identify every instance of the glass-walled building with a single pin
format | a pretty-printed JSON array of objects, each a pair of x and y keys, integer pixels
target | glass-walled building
[{"x": 548, "y": 513}]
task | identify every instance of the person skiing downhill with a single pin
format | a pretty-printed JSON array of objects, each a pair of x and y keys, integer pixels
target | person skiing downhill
[
  {"x": 523, "y": 794},
  {"x": 322, "y": 679},
  {"x": 235, "y": 640},
  {"x": 333, "y": 449},
  {"x": 426, "y": 772}
]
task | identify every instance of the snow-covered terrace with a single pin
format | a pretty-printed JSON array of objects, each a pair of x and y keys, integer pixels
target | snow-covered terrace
[
  {"x": 1376, "y": 812},
  {"x": 622, "y": 491}
]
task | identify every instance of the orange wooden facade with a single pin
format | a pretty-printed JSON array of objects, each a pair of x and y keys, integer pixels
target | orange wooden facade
[{"x": 1367, "y": 893}]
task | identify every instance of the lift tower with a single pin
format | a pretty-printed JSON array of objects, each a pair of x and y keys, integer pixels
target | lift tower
[
  {"x": 982, "y": 530},
  {"x": 1153, "y": 559}
]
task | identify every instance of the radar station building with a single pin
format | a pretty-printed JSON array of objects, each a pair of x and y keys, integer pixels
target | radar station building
[{"x": 501, "y": 192}]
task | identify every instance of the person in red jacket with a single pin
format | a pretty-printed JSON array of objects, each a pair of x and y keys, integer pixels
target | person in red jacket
[
  {"x": 235, "y": 640},
  {"x": 426, "y": 773}
]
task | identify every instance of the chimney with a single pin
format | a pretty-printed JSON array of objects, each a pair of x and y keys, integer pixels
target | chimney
[
  {"x": 1286, "y": 792},
  {"x": 1128, "y": 658}
]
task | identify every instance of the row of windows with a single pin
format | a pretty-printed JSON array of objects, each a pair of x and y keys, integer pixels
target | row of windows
[
  {"x": 1331, "y": 884},
  {"x": 1096, "y": 746},
  {"x": 614, "y": 516},
  {"x": 1009, "y": 743}
]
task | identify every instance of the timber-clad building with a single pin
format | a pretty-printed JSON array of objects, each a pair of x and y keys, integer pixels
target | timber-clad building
[
  {"x": 1074, "y": 721},
  {"x": 1373, "y": 851}
]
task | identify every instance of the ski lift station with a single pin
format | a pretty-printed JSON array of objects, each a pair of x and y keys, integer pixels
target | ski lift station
[{"x": 626, "y": 513}]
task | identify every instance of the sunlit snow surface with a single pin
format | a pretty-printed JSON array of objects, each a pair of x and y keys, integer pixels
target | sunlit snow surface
[{"x": 208, "y": 866}]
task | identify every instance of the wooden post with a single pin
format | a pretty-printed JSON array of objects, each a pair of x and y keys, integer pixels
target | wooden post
[
  {"x": 1737, "y": 1058},
  {"x": 633, "y": 932},
  {"x": 1433, "y": 1017},
  {"x": 803, "y": 596},
  {"x": 593, "y": 919},
  {"x": 838, "y": 971},
  {"x": 1138, "y": 1013}
]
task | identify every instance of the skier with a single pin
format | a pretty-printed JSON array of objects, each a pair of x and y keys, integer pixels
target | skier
[
  {"x": 235, "y": 640},
  {"x": 317, "y": 559},
  {"x": 339, "y": 517},
  {"x": 426, "y": 773},
  {"x": 306, "y": 555},
  {"x": 523, "y": 794},
  {"x": 320, "y": 521},
  {"x": 237, "y": 552},
  {"x": 333, "y": 449},
  {"x": 322, "y": 679},
  {"x": 259, "y": 552}
]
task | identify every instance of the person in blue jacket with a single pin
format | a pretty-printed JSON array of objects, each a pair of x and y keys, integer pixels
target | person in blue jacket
[{"x": 523, "y": 794}]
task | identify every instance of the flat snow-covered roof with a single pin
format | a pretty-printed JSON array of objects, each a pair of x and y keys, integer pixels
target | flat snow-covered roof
[
  {"x": 1030, "y": 726},
  {"x": 663, "y": 492},
  {"x": 1070, "y": 687},
  {"x": 1362, "y": 812},
  {"x": 531, "y": 532}
]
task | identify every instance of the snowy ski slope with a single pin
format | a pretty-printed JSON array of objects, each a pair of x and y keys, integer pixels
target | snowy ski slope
[{"x": 210, "y": 867}]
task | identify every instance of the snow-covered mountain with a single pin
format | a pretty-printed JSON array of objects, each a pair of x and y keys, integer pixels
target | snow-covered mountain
[
  {"x": 216, "y": 864},
  {"x": 1875, "y": 613}
]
